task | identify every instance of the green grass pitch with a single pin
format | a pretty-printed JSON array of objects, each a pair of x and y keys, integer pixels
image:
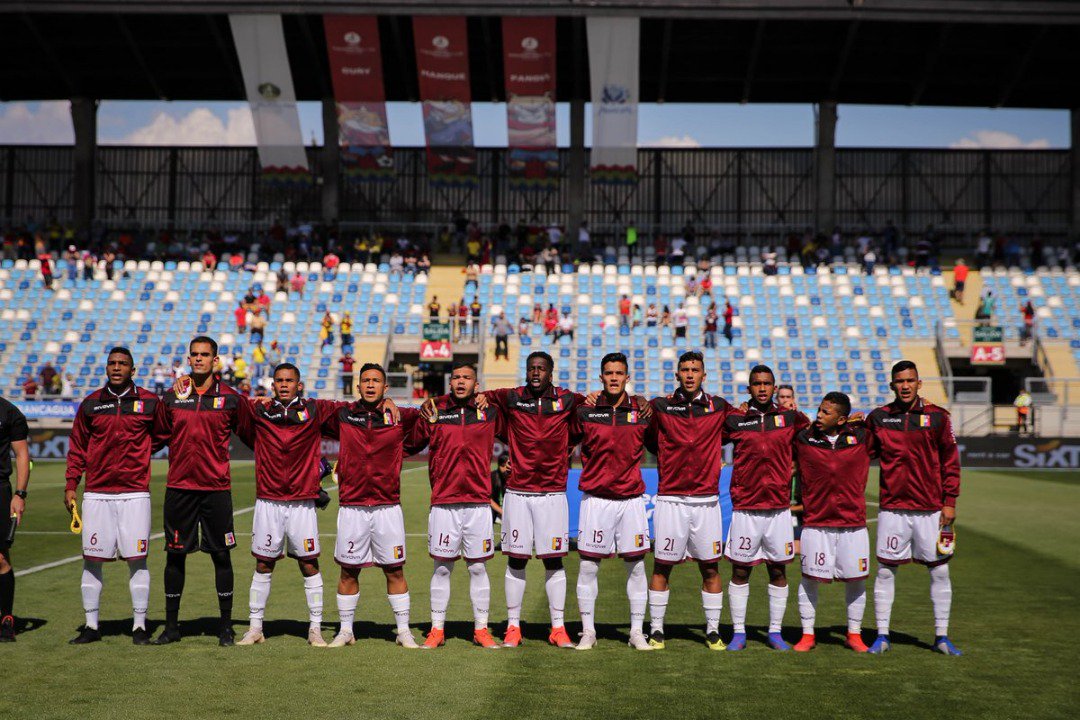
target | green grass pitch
[{"x": 1016, "y": 584}]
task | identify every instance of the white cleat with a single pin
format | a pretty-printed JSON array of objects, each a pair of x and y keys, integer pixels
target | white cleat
[
  {"x": 252, "y": 637},
  {"x": 587, "y": 641},
  {"x": 406, "y": 640},
  {"x": 638, "y": 641},
  {"x": 342, "y": 639},
  {"x": 315, "y": 638}
]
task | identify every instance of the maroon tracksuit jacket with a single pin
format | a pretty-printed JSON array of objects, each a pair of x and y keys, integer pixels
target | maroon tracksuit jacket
[
  {"x": 538, "y": 432},
  {"x": 832, "y": 478},
  {"x": 761, "y": 468},
  {"x": 112, "y": 440},
  {"x": 920, "y": 464},
  {"x": 685, "y": 434},
  {"x": 462, "y": 441},
  {"x": 198, "y": 429},
  {"x": 372, "y": 449},
  {"x": 612, "y": 441},
  {"x": 288, "y": 447}
]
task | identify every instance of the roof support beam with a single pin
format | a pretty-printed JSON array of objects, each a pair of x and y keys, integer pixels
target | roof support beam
[
  {"x": 751, "y": 67},
  {"x": 489, "y": 56},
  {"x": 930, "y": 64},
  {"x": 228, "y": 55},
  {"x": 408, "y": 78},
  {"x": 315, "y": 56},
  {"x": 665, "y": 61},
  {"x": 845, "y": 53},
  {"x": 140, "y": 60},
  {"x": 49, "y": 53},
  {"x": 1021, "y": 67}
]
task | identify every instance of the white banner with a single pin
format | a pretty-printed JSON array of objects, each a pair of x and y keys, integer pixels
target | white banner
[
  {"x": 613, "y": 74},
  {"x": 264, "y": 61}
]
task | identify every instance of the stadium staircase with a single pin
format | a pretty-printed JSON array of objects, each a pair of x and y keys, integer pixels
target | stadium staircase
[{"x": 447, "y": 283}]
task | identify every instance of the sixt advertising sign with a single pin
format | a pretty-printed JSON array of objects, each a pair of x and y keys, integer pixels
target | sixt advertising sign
[{"x": 1020, "y": 452}]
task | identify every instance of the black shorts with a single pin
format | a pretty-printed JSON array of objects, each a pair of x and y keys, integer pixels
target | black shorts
[
  {"x": 5, "y": 514},
  {"x": 191, "y": 513},
  {"x": 959, "y": 285}
]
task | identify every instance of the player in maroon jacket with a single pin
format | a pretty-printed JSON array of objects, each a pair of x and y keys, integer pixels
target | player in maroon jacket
[
  {"x": 761, "y": 528},
  {"x": 833, "y": 457},
  {"x": 462, "y": 440},
  {"x": 111, "y": 442},
  {"x": 920, "y": 481}
]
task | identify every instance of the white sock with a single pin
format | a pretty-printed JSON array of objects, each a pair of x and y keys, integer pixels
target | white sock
[
  {"x": 313, "y": 588},
  {"x": 884, "y": 592},
  {"x": 637, "y": 592},
  {"x": 346, "y": 610},
  {"x": 855, "y": 595},
  {"x": 139, "y": 585},
  {"x": 440, "y": 592},
  {"x": 91, "y": 592},
  {"x": 808, "y": 590},
  {"x": 514, "y": 582},
  {"x": 738, "y": 597},
  {"x": 658, "y": 600},
  {"x": 400, "y": 605},
  {"x": 941, "y": 597},
  {"x": 260, "y": 591},
  {"x": 480, "y": 594},
  {"x": 777, "y": 606},
  {"x": 587, "y": 589},
  {"x": 555, "y": 585},
  {"x": 713, "y": 604}
]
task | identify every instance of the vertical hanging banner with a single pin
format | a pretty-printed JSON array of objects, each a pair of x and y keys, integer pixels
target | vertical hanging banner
[
  {"x": 264, "y": 62},
  {"x": 613, "y": 75},
  {"x": 352, "y": 44},
  {"x": 529, "y": 62},
  {"x": 442, "y": 62}
]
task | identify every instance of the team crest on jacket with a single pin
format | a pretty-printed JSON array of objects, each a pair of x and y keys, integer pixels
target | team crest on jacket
[
  {"x": 387, "y": 418},
  {"x": 138, "y": 406},
  {"x": 140, "y": 546},
  {"x": 399, "y": 552},
  {"x": 556, "y": 544},
  {"x": 302, "y": 415},
  {"x": 309, "y": 545},
  {"x": 924, "y": 421},
  {"x": 219, "y": 402},
  {"x": 633, "y": 417},
  {"x": 780, "y": 421},
  {"x": 556, "y": 405},
  {"x": 852, "y": 440},
  {"x": 639, "y": 541},
  {"x": 481, "y": 415}
]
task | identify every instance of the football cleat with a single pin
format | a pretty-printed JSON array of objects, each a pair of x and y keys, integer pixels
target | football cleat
[
  {"x": 7, "y": 629},
  {"x": 587, "y": 641},
  {"x": 86, "y": 635},
  {"x": 880, "y": 646},
  {"x": 342, "y": 639},
  {"x": 168, "y": 636},
  {"x": 435, "y": 638},
  {"x": 139, "y": 636},
  {"x": 807, "y": 643},
  {"x": 559, "y": 638},
  {"x": 776, "y": 642},
  {"x": 714, "y": 642},
  {"x": 252, "y": 637},
  {"x": 638, "y": 641},
  {"x": 512, "y": 638},
  {"x": 482, "y": 637},
  {"x": 738, "y": 642},
  {"x": 944, "y": 645},
  {"x": 656, "y": 639},
  {"x": 855, "y": 642},
  {"x": 406, "y": 640},
  {"x": 315, "y": 638}
]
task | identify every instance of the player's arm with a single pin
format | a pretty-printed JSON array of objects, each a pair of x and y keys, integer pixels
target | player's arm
[
  {"x": 498, "y": 398},
  {"x": 244, "y": 422},
  {"x": 949, "y": 457},
  {"x": 20, "y": 434},
  {"x": 329, "y": 424},
  {"x": 412, "y": 425},
  {"x": 419, "y": 436},
  {"x": 76, "y": 457},
  {"x": 160, "y": 428},
  {"x": 652, "y": 433}
]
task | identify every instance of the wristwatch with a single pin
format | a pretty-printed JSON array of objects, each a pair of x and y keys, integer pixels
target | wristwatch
[{"x": 21, "y": 493}]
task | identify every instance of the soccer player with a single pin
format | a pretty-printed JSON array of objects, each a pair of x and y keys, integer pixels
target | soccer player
[
  {"x": 111, "y": 442},
  {"x": 287, "y": 453},
  {"x": 370, "y": 525},
  {"x": 13, "y": 437},
  {"x": 761, "y": 529},
  {"x": 833, "y": 456},
  {"x": 684, "y": 434},
  {"x": 199, "y": 421},
  {"x": 612, "y": 517},
  {"x": 462, "y": 440},
  {"x": 785, "y": 398},
  {"x": 920, "y": 481}
]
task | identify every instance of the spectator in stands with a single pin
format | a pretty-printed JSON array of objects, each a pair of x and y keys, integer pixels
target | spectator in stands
[
  {"x": 502, "y": 329},
  {"x": 397, "y": 264},
  {"x": 178, "y": 370},
  {"x": 239, "y": 369},
  {"x": 282, "y": 281},
  {"x": 258, "y": 361},
  {"x": 680, "y": 320},
  {"x": 678, "y": 251},
  {"x": 691, "y": 285},
  {"x": 330, "y": 264},
  {"x": 637, "y": 316},
  {"x": 551, "y": 260},
  {"x": 1027, "y": 310},
  {"x": 565, "y": 328},
  {"x": 551, "y": 320},
  {"x": 48, "y": 374},
  {"x": 537, "y": 313},
  {"x": 472, "y": 249},
  {"x": 472, "y": 276},
  {"x": 258, "y": 326},
  {"x": 712, "y": 319},
  {"x": 1023, "y": 405},
  {"x": 624, "y": 311},
  {"x": 249, "y": 300},
  {"x": 982, "y": 249},
  {"x": 71, "y": 263},
  {"x": 631, "y": 239},
  {"x": 960, "y": 273},
  {"x": 524, "y": 327},
  {"x": 585, "y": 251},
  {"x": 665, "y": 317},
  {"x": 890, "y": 236},
  {"x": 660, "y": 248},
  {"x": 273, "y": 358},
  {"x": 209, "y": 261},
  {"x": 346, "y": 330},
  {"x": 89, "y": 264},
  {"x": 452, "y": 313},
  {"x": 1012, "y": 252},
  {"x": 67, "y": 387},
  {"x": 160, "y": 375},
  {"x": 236, "y": 262},
  {"x": 463, "y": 319},
  {"x": 652, "y": 316},
  {"x": 423, "y": 265},
  {"x": 326, "y": 333},
  {"x": 46, "y": 270},
  {"x": 474, "y": 318},
  {"x": 985, "y": 310},
  {"x": 729, "y": 319},
  {"x": 30, "y": 389},
  {"x": 706, "y": 285},
  {"x": 263, "y": 303},
  {"x": 347, "y": 362},
  {"x": 922, "y": 253},
  {"x": 768, "y": 261},
  {"x": 110, "y": 259},
  {"x": 785, "y": 397},
  {"x": 869, "y": 259},
  {"x": 298, "y": 281},
  {"x": 240, "y": 313},
  {"x": 434, "y": 308}
]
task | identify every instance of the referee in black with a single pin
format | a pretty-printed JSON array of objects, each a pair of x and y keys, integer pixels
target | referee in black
[{"x": 13, "y": 437}]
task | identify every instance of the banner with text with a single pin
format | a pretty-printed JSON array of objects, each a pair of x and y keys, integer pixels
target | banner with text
[
  {"x": 264, "y": 62},
  {"x": 442, "y": 62},
  {"x": 613, "y": 75},
  {"x": 987, "y": 346},
  {"x": 529, "y": 65},
  {"x": 352, "y": 44},
  {"x": 435, "y": 342}
]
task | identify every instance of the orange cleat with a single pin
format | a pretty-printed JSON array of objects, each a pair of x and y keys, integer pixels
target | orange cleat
[
  {"x": 482, "y": 637},
  {"x": 436, "y": 637},
  {"x": 854, "y": 641},
  {"x": 806, "y": 644},
  {"x": 559, "y": 638},
  {"x": 513, "y": 638}
]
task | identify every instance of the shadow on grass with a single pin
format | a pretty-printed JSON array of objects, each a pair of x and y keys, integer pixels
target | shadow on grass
[{"x": 26, "y": 625}]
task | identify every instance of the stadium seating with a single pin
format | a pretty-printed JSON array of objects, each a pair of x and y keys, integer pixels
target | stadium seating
[{"x": 1055, "y": 294}]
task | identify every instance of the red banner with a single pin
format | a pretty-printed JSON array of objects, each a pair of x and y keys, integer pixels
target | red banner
[
  {"x": 442, "y": 61},
  {"x": 352, "y": 43},
  {"x": 529, "y": 62}
]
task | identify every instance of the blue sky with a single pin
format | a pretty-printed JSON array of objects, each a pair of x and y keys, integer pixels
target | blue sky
[{"x": 672, "y": 125}]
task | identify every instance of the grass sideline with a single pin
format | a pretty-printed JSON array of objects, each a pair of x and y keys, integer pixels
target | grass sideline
[{"x": 1016, "y": 583}]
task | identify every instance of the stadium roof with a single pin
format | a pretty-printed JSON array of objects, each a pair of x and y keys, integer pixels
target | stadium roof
[{"x": 983, "y": 53}]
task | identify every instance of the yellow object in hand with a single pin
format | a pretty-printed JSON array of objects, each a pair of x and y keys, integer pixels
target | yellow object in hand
[{"x": 76, "y": 521}]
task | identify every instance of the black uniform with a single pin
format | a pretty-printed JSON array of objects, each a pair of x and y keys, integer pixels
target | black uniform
[{"x": 12, "y": 429}]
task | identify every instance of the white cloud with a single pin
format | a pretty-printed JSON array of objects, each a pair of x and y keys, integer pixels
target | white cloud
[
  {"x": 999, "y": 140},
  {"x": 198, "y": 127},
  {"x": 47, "y": 123},
  {"x": 672, "y": 141}
]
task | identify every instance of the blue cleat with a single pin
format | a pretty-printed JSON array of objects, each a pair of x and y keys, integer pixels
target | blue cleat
[
  {"x": 881, "y": 645},
  {"x": 738, "y": 642},
  {"x": 776, "y": 642},
  {"x": 943, "y": 645}
]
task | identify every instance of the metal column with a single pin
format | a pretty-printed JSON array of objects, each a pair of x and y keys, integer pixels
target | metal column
[
  {"x": 825, "y": 167},
  {"x": 331, "y": 162},
  {"x": 575, "y": 172},
  {"x": 84, "y": 120}
]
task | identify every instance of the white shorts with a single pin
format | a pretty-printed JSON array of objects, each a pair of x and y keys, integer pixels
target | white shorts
[
  {"x": 835, "y": 553},
  {"x": 370, "y": 535},
  {"x": 283, "y": 527},
  {"x": 461, "y": 530},
  {"x": 607, "y": 527},
  {"x": 115, "y": 524},
  {"x": 906, "y": 535},
  {"x": 687, "y": 529},
  {"x": 537, "y": 524},
  {"x": 757, "y": 536}
]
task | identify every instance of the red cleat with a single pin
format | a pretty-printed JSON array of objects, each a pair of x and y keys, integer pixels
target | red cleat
[
  {"x": 436, "y": 637},
  {"x": 806, "y": 644},
  {"x": 559, "y": 638},
  {"x": 512, "y": 639},
  {"x": 482, "y": 637},
  {"x": 854, "y": 641}
]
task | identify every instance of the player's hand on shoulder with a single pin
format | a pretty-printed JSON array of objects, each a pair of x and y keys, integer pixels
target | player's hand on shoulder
[
  {"x": 591, "y": 398},
  {"x": 644, "y": 406},
  {"x": 428, "y": 411},
  {"x": 481, "y": 401},
  {"x": 395, "y": 411},
  {"x": 182, "y": 385},
  {"x": 263, "y": 399},
  {"x": 744, "y": 407},
  {"x": 856, "y": 417}
]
